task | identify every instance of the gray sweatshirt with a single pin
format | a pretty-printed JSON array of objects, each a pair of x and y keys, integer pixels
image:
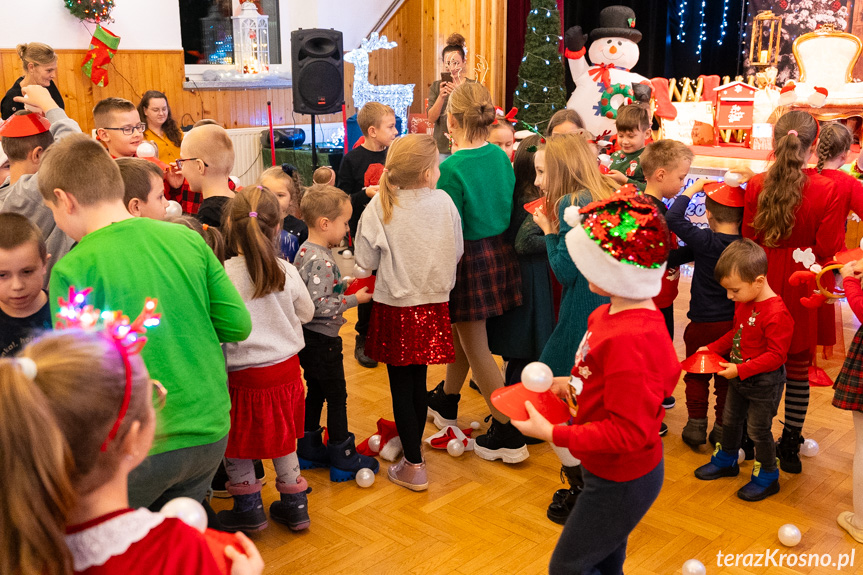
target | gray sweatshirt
[
  {"x": 416, "y": 252},
  {"x": 277, "y": 318},
  {"x": 321, "y": 275},
  {"x": 23, "y": 196}
]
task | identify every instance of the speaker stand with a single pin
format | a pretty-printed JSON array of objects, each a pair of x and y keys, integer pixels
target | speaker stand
[{"x": 314, "y": 147}]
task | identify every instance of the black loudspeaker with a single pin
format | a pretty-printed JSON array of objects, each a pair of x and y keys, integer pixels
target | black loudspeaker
[{"x": 318, "y": 71}]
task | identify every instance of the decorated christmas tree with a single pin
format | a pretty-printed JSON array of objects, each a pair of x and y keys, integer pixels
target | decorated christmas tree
[{"x": 539, "y": 92}]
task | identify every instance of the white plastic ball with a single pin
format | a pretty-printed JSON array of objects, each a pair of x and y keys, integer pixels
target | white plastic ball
[
  {"x": 173, "y": 209},
  {"x": 188, "y": 511},
  {"x": 347, "y": 254},
  {"x": 455, "y": 447},
  {"x": 474, "y": 424},
  {"x": 536, "y": 376},
  {"x": 365, "y": 477},
  {"x": 789, "y": 535},
  {"x": 732, "y": 179},
  {"x": 741, "y": 456},
  {"x": 694, "y": 567},
  {"x": 361, "y": 272},
  {"x": 146, "y": 150},
  {"x": 809, "y": 448},
  {"x": 375, "y": 443}
]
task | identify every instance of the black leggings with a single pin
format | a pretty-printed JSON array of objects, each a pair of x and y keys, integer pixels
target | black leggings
[{"x": 410, "y": 404}]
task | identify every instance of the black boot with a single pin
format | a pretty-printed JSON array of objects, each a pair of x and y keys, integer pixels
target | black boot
[
  {"x": 564, "y": 499},
  {"x": 788, "y": 450}
]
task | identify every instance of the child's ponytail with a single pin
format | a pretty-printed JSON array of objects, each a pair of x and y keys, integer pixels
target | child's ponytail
[
  {"x": 35, "y": 470},
  {"x": 835, "y": 139},
  {"x": 408, "y": 160},
  {"x": 252, "y": 222},
  {"x": 783, "y": 186}
]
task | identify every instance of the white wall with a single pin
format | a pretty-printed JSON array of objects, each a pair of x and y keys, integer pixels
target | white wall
[
  {"x": 155, "y": 24},
  {"x": 141, "y": 25}
]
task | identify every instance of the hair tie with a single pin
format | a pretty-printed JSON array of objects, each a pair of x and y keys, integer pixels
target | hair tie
[
  {"x": 27, "y": 367},
  {"x": 205, "y": 227},
  {"x": 253, "y": 214},
  {"x": 385, "y": 170},
  {"x": 793, "y": 132}
]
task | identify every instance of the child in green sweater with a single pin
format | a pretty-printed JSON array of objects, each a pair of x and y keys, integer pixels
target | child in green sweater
[{"x": 200, "y": 309}]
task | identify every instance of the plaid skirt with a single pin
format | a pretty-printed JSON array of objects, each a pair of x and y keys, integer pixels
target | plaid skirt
[
  {"x": 848, "y": 389},
  {"x": 487, "y": 281}
]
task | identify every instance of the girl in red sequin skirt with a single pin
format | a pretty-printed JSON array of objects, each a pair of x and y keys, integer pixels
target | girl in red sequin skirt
[{"x": 411, "y": 234}]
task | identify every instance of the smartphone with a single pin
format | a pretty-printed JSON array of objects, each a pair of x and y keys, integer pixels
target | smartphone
[{"x": 445, "y": 77}]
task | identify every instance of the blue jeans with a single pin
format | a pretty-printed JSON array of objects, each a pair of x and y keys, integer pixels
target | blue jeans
[
  {"x": 594, "y": 538},
  {"x": 185, "y": 472},
  {"x": 753, "y": 401}
]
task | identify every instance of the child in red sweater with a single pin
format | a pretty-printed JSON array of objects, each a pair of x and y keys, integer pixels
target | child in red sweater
[
  {"x": 755, "y": 371},
  {"x": 624, "y": 367}
]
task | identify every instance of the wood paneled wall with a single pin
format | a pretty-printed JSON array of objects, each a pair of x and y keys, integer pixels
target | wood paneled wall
[{"x": 420, "y": 27}]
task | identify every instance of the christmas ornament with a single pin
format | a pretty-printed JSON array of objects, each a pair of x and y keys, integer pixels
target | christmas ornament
[
  {"x": 536, "y": 376},
  {"x": 399, "y": 97},
  {"x": 365, "y": 477},
  {"x": 809, "y": 448},
  {"x": 789, "y": 535},
  {"x": 103, "y": 46},
  {"x": 188, "y": 511},
  {"x": 694, "y": 567},
  {"x": 455, "y": 447},
  {"x": 606, "y": 85},
  {"x": 174, "y": 209},
  {"x": 95, "y": 11},
  {"x": 375, "y": 443}
]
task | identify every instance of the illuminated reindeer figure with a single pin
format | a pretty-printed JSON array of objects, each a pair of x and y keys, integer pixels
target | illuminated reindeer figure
[{"x": 397, "y": 96}]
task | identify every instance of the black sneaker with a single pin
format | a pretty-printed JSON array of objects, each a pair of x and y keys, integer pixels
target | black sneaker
[
  {"x": 443, "y": 408},
  {"x": 474, "y": 386},
  {"x": 219, "y": 481},
  {"x": 663, "y": 430},
  {"x": 360, "y": 353},
  {"x": 669, "y": 402},
  {"x": 501, "y": 441}
]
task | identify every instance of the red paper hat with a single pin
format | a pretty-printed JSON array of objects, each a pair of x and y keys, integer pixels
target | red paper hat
[
  {"x": 724, "y": 194},
  {"x": 23, "y": 125},
  {"x": 849, "y": 256},
  {"x": 704, "y": 361},
  {"x": 510, "y": 401}
]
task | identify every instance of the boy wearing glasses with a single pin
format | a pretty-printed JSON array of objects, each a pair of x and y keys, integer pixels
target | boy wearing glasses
[
  {"x": 120, "y": 128},
  {"x": 206, "y": 160}
]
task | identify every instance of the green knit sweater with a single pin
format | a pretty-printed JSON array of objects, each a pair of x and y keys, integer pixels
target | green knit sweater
[
  {"x": 480, "y": 182},
  {"x": 137, "y": 258}
]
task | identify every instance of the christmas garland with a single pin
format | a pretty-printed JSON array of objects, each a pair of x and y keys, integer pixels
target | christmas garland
[{"x": 95, "y": 11}]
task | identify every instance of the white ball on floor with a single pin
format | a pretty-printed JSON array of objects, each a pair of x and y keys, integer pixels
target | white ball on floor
[
  {"x": 455, "y": 447},
  {"x": 174, "y": 209},
  {"x": 694, "y": 567},
  {"x": 789, "y": 535},
  {"x": 188, "y": 511},
  {"x": 375, "y": 443},
  {"x": 361, "y": 272},
  {"x": 741, "y": 456},
  {"x": 474, "y": 424},
  {"x": 536, "y": 376},
  {"x": 809, "y": 448},
  {"x": 347, "y": 254},
  {"x": 365, "y": 477}
]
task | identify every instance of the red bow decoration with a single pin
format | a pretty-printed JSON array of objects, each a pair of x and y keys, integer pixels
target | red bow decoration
[{"x": 600, "y": 73}]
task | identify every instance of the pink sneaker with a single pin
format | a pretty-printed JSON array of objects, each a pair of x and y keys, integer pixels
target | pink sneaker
[{"x": 410, "y": 475}]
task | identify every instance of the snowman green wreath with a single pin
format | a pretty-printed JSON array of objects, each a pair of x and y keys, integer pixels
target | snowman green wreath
[{"x": 606, "y": 85}]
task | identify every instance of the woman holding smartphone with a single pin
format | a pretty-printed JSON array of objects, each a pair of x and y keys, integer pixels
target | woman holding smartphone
[{"x": 453, "y": 76}]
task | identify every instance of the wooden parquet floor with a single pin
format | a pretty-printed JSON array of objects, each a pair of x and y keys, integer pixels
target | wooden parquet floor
[{"x": 479, "y": 517}]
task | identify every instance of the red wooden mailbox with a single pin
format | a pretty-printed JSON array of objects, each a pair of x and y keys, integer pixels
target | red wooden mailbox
[{"x": 733, "y": 107}]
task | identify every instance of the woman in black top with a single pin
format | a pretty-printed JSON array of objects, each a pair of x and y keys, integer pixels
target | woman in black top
[
  {"x": 40, "y": 67},
  {"x": 453, "y": 56}
]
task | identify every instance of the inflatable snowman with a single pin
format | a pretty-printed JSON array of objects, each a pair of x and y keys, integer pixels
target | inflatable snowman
[{"x": 606, "y": 85}]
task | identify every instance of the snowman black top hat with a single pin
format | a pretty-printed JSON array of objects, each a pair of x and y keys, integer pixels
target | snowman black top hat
[{"x": 616, "y": 22}]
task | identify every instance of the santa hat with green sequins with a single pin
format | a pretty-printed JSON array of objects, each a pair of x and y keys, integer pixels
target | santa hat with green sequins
[{"x": 620, "y": 244}]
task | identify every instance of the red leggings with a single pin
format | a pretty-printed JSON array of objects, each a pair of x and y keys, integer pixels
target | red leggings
[{"x": 697, "y": 384}]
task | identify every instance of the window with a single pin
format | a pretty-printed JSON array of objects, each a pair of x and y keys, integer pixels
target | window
[{"x": 206, "y": 29}]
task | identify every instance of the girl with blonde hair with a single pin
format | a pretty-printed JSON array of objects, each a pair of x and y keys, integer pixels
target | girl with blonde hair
[
  {"x": 410, "y": 322},
  {"x": 40, "y": 67}
]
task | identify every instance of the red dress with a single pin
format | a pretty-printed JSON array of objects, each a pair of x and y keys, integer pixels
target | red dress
[
  {"x": 817, "y": 219},
  {"x": 135, "y": 542}
]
